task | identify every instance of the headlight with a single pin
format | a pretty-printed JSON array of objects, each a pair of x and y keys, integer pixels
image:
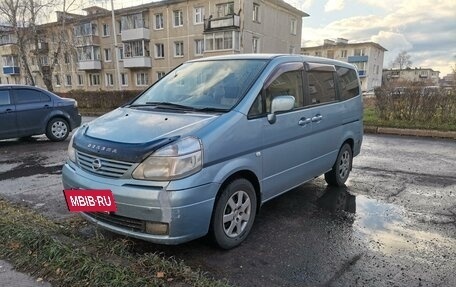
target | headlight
[
  {"x": 174, "y": 161},
  {"x": 71, "y": 150}
]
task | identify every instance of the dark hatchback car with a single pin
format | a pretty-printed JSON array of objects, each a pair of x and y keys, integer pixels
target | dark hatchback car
[{"x": 26, "y": 111}]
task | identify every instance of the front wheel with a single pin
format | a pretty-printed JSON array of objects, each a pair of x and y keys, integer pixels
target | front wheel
[
  {"x": 57, "y": 130},
  {"x": 234, "y": 213},
  {"x": 341, "y": 168}
]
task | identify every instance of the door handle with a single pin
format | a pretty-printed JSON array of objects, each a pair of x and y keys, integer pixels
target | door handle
[
  {"x": 317, "y": 118},
  {"x": 304, "y": 121},
  {"x": 46, "y": 106},
  {"x": 9, "y": 111}
]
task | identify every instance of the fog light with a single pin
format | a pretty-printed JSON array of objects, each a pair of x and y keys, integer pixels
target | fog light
[{"x": 157, "y": 228}]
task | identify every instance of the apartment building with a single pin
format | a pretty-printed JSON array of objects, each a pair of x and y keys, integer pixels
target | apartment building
[
  {"x": 152, "y": 39},
  {"x": 424, "y": 75},
  {"x": 366, "y": 56}
]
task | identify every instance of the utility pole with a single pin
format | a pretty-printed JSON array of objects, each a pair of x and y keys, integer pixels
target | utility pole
[{"x": 115, "y": 56}]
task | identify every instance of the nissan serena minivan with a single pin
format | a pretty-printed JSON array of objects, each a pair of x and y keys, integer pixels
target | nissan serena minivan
[{"x": 203, "y": 148}]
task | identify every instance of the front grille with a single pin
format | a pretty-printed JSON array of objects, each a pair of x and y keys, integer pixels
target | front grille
[
  {"x": 120, "y": 221},
  {"x": 109, "y": 168}
]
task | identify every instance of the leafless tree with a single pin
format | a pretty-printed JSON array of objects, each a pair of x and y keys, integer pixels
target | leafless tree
[
  {"x": 402, "y": 60},
  {"x": 33, "y": 40}
]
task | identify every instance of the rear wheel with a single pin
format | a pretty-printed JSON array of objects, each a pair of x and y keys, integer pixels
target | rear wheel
[
  {"x": 234, "y": 213},
  {"x": 341, "y": 168},
  {"x": 57, "y": 130}
]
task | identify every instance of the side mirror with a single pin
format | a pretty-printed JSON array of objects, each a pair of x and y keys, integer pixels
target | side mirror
[{"x": 280, "y": 104}]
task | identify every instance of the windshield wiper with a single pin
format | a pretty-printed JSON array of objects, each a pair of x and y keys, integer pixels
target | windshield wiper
[
  {"x": 211, "y": 109},
  {"x": 162, "y": 105}
]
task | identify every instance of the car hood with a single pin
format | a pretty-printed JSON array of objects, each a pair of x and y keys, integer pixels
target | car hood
[{"x": 131, "y": 134}]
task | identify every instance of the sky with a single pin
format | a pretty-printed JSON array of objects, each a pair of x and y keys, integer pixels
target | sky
[{"x": 426, "y": 29}]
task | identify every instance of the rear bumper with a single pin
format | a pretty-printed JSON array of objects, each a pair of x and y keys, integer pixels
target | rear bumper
[{"x": 75, "y": 121}]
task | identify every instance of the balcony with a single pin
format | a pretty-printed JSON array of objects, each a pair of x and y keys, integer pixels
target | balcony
[
  {"x": 362, "y": 73},
  {"x": 89, "y": 65},
  {"x": 14, "y": 70},
  {"x": 356, "y": 59},
  {"x": 88, "y": 40},
  {"x": 137, "y": 62},
  {"x": 135, "y": 34},
  {"x": 423, "y": 76},
  {"x": 230, "y": 21}
]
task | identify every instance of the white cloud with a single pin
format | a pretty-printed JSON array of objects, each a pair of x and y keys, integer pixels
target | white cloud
[
  {"x": 334, "y": 5},
  {"x": 426, "y": 29},
  {"x": 303, "y": 5}
]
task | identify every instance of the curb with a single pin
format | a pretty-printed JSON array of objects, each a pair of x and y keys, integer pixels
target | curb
[{"x": 410, "y": 132}]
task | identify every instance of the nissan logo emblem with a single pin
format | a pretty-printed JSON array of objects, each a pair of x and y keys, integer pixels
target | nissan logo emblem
[{"x": 96, "y": 164}]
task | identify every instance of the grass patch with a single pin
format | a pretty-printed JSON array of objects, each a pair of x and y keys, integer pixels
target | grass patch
[
  {"x": 371, "y": 119},
  {"x": 55, "y": 252}
]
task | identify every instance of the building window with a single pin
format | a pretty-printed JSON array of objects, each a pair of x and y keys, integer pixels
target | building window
[
  {"x": 86, "y": 29},
  {"x": 343, "y": 54},
  {"x": 68, "y": 80},
  {"x": 330, "y": 54},
  {"x": 199, "y": 47},
  {"x": 106, "y": 30},
  {"x": 256, "y": 12},
  {"x": 109, "y": 80},
  {"x": 359, "y": 52},
  {"x": 121, "y": 53},
  {"x": 160, "y": 75},
  {"x": 44, "y": 60},
  {"x": 134, "y": 21},
  {"x": 178, "y": 18},
  {"x": 57, "y": 80},
  {"x": 360, "y": 65},
  {"x": 137, "y": 48},
  {"x": 293, "y": 26},
  {"x": 255, "y": 45},
  {"x": 88, "y": 53},
  {"x": 142, "y": 79},
  {"x": 292, "y": 50},
  {"x": 159, "y": 51},
  {"x": 80, "y": 80},
  {"x": 124, "y": 79},
  {"x": 94, "y": 79},
  {"x": 222, "y": 41},
  {"x": 119, "y": 26},
  {"x": 318, "y": 53},
  {"x": 107, "y": 55},
  {"x": 198, "y": 15},
  {"x": 66, "y": 58},
  {"x": 159, "y": 23},
  {"x": 225, "y": 9},
  {"x": 178, "y": 49}
]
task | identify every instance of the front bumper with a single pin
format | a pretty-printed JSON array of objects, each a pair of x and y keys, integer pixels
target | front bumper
[{"x": 187, "y": 212}]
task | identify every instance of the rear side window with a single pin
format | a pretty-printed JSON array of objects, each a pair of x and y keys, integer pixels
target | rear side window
[
  {"x": 4, "y": 98},
  {"x": 24, "y": 96},
  {"x": 348, "y": 83},
  {"x": 321, "y": 87}
]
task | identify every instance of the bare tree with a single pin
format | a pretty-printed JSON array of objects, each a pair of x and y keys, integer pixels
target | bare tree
[
  {"x": 24, "y": 18},
  {"x": 402, "y": 60}
]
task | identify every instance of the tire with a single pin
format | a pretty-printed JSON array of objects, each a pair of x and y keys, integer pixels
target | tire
[
  {"x": 234, "y": 214},
  {"x": 341, "y": 168},
  {"x": 57, "y": 129}
]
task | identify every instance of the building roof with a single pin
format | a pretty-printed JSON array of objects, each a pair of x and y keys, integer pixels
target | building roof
[
  {"x": 411, "y": 69},
  {"x": 342, "y": 45}
]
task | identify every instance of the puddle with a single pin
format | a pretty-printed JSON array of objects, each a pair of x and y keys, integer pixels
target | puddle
[{"x": 385, "y": 226}]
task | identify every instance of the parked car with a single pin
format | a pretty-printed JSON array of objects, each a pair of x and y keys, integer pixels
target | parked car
[
  {"x": 203, "y": 148},
  {"x": 26, "y": 111}
]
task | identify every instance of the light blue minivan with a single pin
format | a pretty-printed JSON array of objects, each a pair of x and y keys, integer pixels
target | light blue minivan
[{"x": 203, "y": 148}]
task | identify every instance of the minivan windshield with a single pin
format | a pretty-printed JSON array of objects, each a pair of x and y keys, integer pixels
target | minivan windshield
[{"x": 213, "y": 85}]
